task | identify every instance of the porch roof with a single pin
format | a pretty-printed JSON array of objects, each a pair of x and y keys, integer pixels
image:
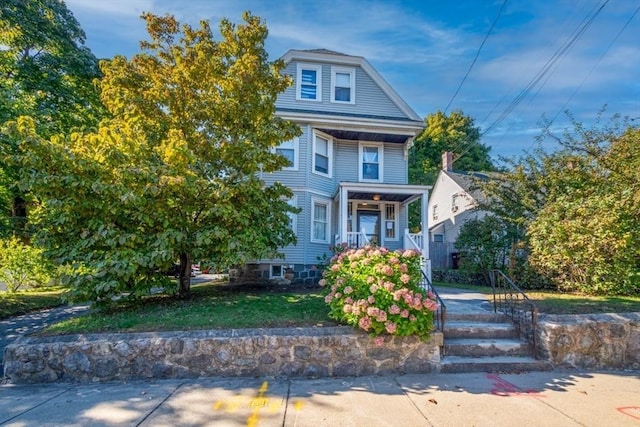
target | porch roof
[{"x": 402, "y": 193}]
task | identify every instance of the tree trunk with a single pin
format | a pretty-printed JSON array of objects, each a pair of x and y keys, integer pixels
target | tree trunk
[{"x": 185, "y": 275}]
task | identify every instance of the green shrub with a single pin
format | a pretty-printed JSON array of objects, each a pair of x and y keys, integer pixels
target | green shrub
[
  {"x": 378, "y": 291},
  {"x": 23, "y": 266}
]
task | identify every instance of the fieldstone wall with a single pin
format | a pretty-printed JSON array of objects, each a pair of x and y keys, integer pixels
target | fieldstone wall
[
  {"x": 590, "y": 341},
  {"x": 299, "y": 352}
]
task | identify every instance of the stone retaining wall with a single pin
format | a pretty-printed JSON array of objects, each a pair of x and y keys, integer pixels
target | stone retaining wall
[
  {"x": 299, "y": 352},
  {"x": 590, "y": 341}
]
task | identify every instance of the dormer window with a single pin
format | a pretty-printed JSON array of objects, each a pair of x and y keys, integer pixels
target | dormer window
[
  {"x": 343, "y": 85},
  {"x": 309, "y": 82}
]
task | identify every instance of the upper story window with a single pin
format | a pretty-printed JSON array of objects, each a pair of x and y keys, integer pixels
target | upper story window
[
  {"x": 322, "y": 155},
  {"x": 289, "y": 149},
  {"x": 309, "y": 82},
  {"x": 371, "y": 162},
  {"x": 343, "y": 85},
  {"x": 434, "y": 212},
  {"x": 455, "y": 202}
]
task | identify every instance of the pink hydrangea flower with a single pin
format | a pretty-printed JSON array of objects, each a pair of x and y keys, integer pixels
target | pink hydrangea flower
[
  {"x": 404, "y": 313},
  {"x": 328, "y": 298},
  {"x": 394, "y": 260},
  {"x": 365, "y": 323},
  {"x": 373, "y": 288},
  {"x": 335, "y": 267},
  {"x": 387, "y": 270},
  {"x": 394, "y": 309},
  {"x": 347, "y": 308},
  {"x": 405, "y": 278},
  {"x": 382, "y": 316},
  {"x": 322, "y": 282},
  {"x": 390, "y": 327},
  {"x": 371, "y": 299},
  {"x": 378, "y": 341},
  {"x": 404, "y": 268},
  {"x": 348, "y": 300},
  {"x": 348, "y": 290}
]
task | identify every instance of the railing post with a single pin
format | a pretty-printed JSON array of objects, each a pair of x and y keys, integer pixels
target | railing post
[{"x": 492, "y": 279}]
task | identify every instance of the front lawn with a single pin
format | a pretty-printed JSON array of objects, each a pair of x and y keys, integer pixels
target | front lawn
[
  {"x": 21, "y": 302},
  {"x": 558, "y": 303},
  {"x": 212, "y": 306}
]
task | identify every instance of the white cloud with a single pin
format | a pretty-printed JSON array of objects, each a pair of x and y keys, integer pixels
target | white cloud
[{"x": 113, "y": 7}]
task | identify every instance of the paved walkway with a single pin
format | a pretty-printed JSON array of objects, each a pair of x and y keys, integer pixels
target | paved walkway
[{"x": 557, "y": 398}]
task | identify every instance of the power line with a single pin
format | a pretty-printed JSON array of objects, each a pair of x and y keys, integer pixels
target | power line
[
  {"x": 477, "y": 55},
  {"x": 545, "y": 69}
]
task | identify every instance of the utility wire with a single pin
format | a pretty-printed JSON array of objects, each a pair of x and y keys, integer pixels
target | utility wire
[
  {"x": 545, "y": 69},
  {"x": 477, "y": 55},
  {"x": 615, "y": 39}
]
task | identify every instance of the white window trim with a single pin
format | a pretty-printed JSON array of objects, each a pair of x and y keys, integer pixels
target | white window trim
[
  {"x": 318, "y": 70},
  {"x": 327, "y": 204},
  {"x": 293, "y": 216},
  {"x": 352, "y": 82},
  {"x": 273, "y": 276},
  {"x": 329, "y": 153},
  {"x": 296, "y": 150},
  {"x": 395, "y": 221},
  {"x": 380, "y": 147}
]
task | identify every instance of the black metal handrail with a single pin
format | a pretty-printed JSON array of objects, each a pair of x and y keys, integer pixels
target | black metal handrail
[
  {"x": 509, "y": 299},
  {"x": 441, "y": 312}
]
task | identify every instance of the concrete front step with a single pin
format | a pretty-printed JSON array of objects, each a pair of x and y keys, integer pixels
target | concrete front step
[
  {"x": 470, "y": 329},
  {"x": 472, "y": 347},
  {"x": 503, "y": 364},
  {"x": 488, "y": 317}
]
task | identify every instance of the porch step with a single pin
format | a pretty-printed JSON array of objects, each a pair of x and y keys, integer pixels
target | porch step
[
  {"x": 486, "y": 342},
  {"x": 471, "y": 347},
  {"x": 478, "y": 330},
  {"x": 502, "y": 364}
]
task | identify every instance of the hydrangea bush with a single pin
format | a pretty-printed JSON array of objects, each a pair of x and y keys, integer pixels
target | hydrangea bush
[{"x": 378, "y": 290}]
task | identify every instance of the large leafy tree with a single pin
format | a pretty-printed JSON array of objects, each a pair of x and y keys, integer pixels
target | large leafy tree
[
  {"x": 574, "y": 214},
  {"x": 174, "y": 174},
  {"x": 455, "y": 132},
  {"x": 47, "y": 73},
  {"x": 587, "y": 235}
]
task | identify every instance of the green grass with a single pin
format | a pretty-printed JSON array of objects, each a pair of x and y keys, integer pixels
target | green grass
[
  {"x": 21, "y": 302},
  {"x": 211, "y": 307},
  {"x": 561, "y": 303}
]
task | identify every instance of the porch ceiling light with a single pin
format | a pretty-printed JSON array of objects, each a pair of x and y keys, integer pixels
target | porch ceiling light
[{"x": 376, "y": 197}]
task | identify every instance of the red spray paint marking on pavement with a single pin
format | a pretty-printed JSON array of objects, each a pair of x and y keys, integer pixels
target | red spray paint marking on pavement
[
  {"x": 631, "y": 411},
  {"x": 505, "y": 388}
]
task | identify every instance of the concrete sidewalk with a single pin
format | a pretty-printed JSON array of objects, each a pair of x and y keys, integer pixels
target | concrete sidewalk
[{"x": 559, "y": 398}]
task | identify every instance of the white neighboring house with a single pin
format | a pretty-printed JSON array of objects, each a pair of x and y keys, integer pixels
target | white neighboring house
[{"x": 453, "y": 201}]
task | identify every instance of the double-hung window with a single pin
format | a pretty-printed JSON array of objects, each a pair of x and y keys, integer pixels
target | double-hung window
[
  {"x": 371, "y": 162},
  {"x": 293, "y": 217},
  {"x": 309, "y": 82},
  {"x": 322, "y": 155},
  {"x": 289, "y": 149},
  {"x": 320, "y": 221},
  {"x": 391, "y": 222},
  {"x": 343, "y": 85}
]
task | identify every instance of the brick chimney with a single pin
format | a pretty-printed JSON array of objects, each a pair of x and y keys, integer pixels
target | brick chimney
[{"x": 447, "y": 161}]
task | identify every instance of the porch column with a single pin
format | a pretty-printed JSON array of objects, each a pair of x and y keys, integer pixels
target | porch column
[
  {"x": 425, "y": 224},
  {"x": 344, "y": 212},
  {"x": 425, "y": 233}
]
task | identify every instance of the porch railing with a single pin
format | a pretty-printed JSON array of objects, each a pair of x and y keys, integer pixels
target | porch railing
[
  {"x": 441, "y": 312},
  {"x": 413, "y": 240},
  {"x": 354, "y": 239},
  {"x": 509, "y": 299}
]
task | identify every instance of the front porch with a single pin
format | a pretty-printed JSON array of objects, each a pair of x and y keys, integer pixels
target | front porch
[{"x": 377, "y": 214}]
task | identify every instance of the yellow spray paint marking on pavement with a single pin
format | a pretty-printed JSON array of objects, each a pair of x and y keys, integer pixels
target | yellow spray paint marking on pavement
[
  {"x": 255, "y": 404},
  {"x": 252, "y": 421}
]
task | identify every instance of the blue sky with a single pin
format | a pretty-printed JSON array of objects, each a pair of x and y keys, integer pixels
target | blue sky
[{"x": 425, "y": 48}]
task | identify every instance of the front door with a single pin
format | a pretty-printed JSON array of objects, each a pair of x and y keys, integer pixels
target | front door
[{"x": 369, "y": 222}]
